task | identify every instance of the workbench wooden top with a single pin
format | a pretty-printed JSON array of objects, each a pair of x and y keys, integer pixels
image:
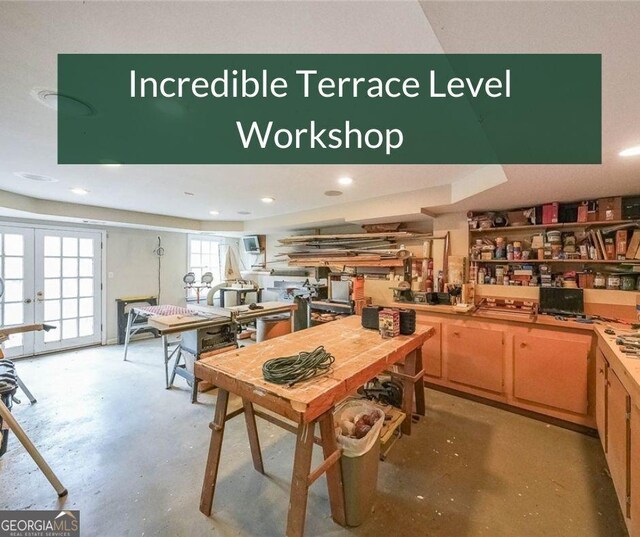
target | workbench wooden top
[{"x": 360, "y": 354}]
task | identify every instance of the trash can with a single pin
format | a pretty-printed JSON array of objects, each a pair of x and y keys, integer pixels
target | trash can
[
  {"x": 359, "y": 461},
  {"x": 272, "y": 327}
]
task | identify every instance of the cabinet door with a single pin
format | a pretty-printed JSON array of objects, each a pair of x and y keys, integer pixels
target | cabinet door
[
  {"x": 635, "y": 468},
  {"x": 432, "y": 352},
  {"x": 551, "y": 372},
  {"x": 475, "y": 357},
  {"x": 618, "y": 437},
  {"x": 601, "y": 397}
]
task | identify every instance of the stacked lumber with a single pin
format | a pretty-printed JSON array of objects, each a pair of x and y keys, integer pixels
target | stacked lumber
[{"x": 381, "y": 249}]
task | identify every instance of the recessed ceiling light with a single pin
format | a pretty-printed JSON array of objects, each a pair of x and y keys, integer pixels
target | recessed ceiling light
[
  {"x": 72, "y": 105},
  {"x": 267, "y": 200},
  {"x": 345, "y": 180},
  {"x": 214, "y": 213},
  {"x": 36, "y": 177},
  {"x": 630, "y": 151},
  {"x": 244, "y": 212},
  {"x": 79, "y": 191},
  {"x": 332, "y": 193}
]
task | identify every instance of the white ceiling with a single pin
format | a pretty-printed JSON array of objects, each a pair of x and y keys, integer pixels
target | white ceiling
[
  {"x": 32, "y": 33},
  {"x": 609, "y": 28}
]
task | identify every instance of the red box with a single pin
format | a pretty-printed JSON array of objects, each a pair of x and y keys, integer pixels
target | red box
[
  {"x": 550, "y": 213},
  {"x": 583, "y": 212}
]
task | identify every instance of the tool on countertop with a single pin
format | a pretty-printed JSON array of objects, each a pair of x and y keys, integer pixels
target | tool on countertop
[{"x": 585, "y": 319}]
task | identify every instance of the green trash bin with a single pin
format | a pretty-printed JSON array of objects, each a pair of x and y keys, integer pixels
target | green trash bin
[
  {"x": 359, "y": 462},
  {"x": 360, "y": 483}
]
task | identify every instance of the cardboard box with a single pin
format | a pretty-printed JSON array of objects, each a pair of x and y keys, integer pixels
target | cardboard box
[
  {"x": 610, "y": 208},
  {"x": 583, "y": 212}
]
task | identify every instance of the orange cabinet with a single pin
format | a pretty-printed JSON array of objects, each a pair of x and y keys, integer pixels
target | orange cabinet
[
  {"x": 474, "y": 356},
  {"x": 635, "y": 469},
  {"x": 618, "y": 438},
  {"x": 432, "y": 352},
  {"x": 601, "y": 397},
  {"x": 551, "y": 372}
]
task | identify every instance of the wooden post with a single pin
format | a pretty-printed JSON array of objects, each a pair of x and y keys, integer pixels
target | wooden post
[
  {"x": 299, "y": 481},
  {"x": 408, "y": 386},
  {"x": 252, "y": 431},
  {"x": 215, "y": 447},
  {"x": 334, "y": 472},
  {"x": 419, "y": 384}
]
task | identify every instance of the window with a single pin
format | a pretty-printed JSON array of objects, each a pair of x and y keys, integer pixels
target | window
[{"x": 204, "y": 256}]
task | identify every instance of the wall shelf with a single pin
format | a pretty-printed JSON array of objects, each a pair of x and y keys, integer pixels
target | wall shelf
[
  {"x": 554, "y": 261},
  {"x": 564, "y": 225},
  {"x": 354, "y": 263}
]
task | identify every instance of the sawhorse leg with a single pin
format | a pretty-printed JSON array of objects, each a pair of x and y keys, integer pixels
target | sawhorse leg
[
  {"x": 127, "y": 337},
  {"x": 413, "y": 387},
  {"x": 14, "y": 426},
  {"x": 303, "y": 477},
  {"x": 252, "y": 431},
  {"x": 300, "y": 480},
  {"x": 421, "y": 409},
  {"x": 167, "y": 358},
  {"x": 26, "y": 391},
  {"x": 215, "y": 447}
]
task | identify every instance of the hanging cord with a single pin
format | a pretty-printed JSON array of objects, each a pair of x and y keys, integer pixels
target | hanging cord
[
  {"x": 293, "y": 369},
  {"x": 159, "y": 251}
]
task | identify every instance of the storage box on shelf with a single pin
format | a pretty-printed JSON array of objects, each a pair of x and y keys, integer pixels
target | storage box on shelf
[{"x": 589, "y": 254}]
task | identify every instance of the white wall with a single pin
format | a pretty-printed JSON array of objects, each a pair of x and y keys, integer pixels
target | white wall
[{"x": 134, "y": 267}]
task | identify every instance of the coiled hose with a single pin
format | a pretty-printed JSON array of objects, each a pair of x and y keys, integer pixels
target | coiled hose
[{"x": 293, "y": 369}]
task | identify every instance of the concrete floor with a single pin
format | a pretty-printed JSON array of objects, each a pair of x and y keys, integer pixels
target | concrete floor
[{"x": 132, "y": 456}]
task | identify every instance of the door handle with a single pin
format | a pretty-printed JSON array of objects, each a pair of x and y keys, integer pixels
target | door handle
[{"x": 27, "y": 301}]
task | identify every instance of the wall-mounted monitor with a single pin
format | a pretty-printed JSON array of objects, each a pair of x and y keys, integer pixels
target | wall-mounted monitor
[{"x": 251, "y": 244}]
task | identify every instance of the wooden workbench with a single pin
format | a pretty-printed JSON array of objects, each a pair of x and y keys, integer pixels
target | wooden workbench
[{"x": 360, "y": 355}]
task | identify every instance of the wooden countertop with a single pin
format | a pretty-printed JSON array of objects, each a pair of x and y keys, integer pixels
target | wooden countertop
[
  {"x": 626, "y": 368},
  {"x": 540, "y": 320}
]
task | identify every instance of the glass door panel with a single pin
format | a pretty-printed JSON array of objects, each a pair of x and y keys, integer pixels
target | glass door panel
[
  {"x": 68, "y": 288},
  {"x": 16, "y": 304}
]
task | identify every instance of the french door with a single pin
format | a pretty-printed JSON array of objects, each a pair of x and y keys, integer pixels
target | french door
[
  {"x": 16, "y": 304},
  {"x": 58, "y": 283}
]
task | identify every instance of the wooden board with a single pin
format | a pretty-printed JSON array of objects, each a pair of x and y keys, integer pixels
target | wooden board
[
  {"x": 178, "y": 323},
  {"x": 355, "y": 236},
  {"x": 360, "y": 355}
]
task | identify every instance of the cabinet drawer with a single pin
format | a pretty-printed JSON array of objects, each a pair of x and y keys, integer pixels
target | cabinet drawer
[
  {"x": 474, "y": 356},
  {"x": 551, "y": 372}
]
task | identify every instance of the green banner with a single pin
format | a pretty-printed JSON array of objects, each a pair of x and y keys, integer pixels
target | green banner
[{"x": 329, "y": 109}]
